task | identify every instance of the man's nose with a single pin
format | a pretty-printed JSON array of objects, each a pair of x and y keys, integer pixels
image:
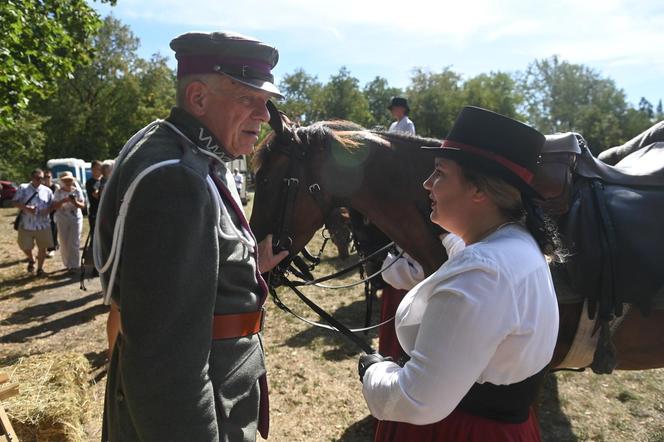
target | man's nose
[{"x": 261, "y": 112}]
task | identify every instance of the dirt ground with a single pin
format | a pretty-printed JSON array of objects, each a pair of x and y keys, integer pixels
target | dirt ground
[{"x": 315, "y": 394}]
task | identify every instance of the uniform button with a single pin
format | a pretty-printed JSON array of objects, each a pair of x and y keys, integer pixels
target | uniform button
[{"x": 119, "y": 397}]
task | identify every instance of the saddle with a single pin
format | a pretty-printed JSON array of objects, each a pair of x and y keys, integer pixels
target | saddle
[{"x": 609, "y": 218}]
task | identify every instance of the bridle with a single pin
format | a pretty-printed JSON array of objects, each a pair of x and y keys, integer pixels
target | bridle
[{"x": 292, "y": 146}]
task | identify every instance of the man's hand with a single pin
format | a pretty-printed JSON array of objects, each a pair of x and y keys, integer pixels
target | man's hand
[
  {"x": 267, "y": 260},
  {"x": 367, "y": 361}
]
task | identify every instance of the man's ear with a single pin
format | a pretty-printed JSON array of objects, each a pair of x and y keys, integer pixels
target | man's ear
[{"x": 195, "y": 96}]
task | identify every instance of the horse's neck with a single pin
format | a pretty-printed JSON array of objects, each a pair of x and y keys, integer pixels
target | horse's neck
[{"x": 394, "y": 209}]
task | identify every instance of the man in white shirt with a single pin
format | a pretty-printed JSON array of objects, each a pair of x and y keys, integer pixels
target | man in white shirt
[
  {"x": 400, "y": 110},
  {"x": 34, "y": 200}
]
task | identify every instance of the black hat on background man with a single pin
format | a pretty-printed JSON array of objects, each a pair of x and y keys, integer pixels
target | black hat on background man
[
  {"x": 399, "y": 102},
  {"x": 494, "y": 144},
  {"x": 245, "y": 59}
]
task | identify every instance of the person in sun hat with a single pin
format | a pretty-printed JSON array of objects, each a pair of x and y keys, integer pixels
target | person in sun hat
[
  {"x": 67, "y": 204},
  {"x": 182, "y": 270},
  {"x": 482, "y": 329}
]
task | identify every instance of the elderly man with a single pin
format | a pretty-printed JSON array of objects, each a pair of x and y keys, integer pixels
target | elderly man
[
  {"x": 34, "y": 201},
  {"x": 399, "y": 109},
  {"x": 188, "y": 363}
]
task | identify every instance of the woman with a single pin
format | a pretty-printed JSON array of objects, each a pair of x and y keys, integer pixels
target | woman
[
  {"x": 69, "y": 219},
  {"x": 481, "y": 330}
]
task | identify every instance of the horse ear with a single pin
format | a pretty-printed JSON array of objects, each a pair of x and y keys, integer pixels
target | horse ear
[{"x": 276, "y": 121}]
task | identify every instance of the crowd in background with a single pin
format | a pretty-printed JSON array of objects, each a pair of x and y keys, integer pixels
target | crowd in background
[{"x": 51, "y": 215}]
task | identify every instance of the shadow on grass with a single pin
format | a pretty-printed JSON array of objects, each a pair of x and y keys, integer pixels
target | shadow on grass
[
  {"x": 6, "y": 264},
  {"x": 352, "y": 316},
  {"x": 50, "y": 328},
  {"x": 51, "y": 281},
  {"x": 556, "y": 427},
  {"x": 360, "y": 431},
  {"x": 40, "y": 312}
]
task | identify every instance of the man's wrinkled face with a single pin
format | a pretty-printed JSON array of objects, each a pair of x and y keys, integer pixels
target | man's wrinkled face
[
  {"x": 37, "y": 179},
  {"x": 234, "y": 113}
]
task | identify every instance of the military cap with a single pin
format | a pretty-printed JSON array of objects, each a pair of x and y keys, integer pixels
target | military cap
[{"x": 246, "y": 59}]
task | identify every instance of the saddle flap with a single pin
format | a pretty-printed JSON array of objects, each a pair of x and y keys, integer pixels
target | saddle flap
[
  {"x": 561, "y": 142},
  {"x": 553, "y": 181}
]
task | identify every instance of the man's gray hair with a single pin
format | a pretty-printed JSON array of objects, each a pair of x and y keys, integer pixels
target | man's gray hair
[{"x": 184, "y": 82}]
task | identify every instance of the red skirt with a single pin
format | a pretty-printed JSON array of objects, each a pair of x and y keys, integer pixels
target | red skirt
[
  {"x": 388, "y": 344},
  {"x": 460, "y": 427}
]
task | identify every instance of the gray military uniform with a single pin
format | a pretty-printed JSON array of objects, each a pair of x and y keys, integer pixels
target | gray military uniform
[{"x": 168, "y": 380}]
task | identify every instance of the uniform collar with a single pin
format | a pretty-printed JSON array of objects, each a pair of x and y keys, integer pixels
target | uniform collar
[{"x": 198, "y": 133}]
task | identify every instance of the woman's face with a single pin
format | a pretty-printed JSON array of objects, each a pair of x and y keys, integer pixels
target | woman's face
[
  {"x": 67, "y": 185},
  {"x": 451, "y": 196}
]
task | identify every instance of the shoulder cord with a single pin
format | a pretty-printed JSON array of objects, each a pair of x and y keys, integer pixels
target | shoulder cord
[{"x": 113, "y": 259}]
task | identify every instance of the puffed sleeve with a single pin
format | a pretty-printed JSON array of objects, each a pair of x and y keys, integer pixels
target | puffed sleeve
[{"x": 402, "y": 272}]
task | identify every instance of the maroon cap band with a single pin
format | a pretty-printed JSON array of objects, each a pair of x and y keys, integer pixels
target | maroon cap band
[
  {"x": 208, "y": 64},
  {"x": 520, "y": 171}
]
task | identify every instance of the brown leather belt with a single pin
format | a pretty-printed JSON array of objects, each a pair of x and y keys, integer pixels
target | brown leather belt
[{"x": 237, "y": 325}]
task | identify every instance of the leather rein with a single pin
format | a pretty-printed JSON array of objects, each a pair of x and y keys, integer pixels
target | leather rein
[{"x": 296, "y": 151}]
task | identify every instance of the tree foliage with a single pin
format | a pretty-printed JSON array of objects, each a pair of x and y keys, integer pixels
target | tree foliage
[
  {"x": 435, "y": 100},
  {"x": 42, "y": 43},
  {"x": 94, "y": 113},
  {"x": 341, "y": 98}
]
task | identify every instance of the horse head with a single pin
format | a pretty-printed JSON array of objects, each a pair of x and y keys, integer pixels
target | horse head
[{"x": 302, "y": 173}]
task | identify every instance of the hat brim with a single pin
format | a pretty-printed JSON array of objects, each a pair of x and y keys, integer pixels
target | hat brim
[
  {"x": 258, "y": 84},
  {"x": 485, "y": 166}
]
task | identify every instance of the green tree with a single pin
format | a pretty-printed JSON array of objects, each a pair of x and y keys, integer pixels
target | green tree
[
  {"x": 21, "y": 144},
  {"x": 435, "y": 100},
  {"x": 301, "y": 92},
  {"x": 42, "y": 43},
  {"x": 495, "y": 91},
  {"x": 342, "y": 99},
  {"x": 561, "y": 96},
  {"x": 378, "y": 95},
  {"x": 660, "y": 111}
]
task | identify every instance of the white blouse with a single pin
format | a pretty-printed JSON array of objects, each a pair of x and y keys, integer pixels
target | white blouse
[{"x": 489, "y": 314}]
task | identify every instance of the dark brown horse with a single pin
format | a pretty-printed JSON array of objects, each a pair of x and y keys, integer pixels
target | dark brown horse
[{"x": 380, "y": 175}]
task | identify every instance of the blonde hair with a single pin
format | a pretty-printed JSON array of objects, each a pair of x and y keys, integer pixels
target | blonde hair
[{"x": 504, "y": 195}]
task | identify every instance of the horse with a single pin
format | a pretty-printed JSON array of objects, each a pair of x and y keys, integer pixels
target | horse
[{"x": 380, "y": 175}]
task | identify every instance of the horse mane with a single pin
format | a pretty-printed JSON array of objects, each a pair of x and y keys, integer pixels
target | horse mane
[{"x": 349, "y": 135}]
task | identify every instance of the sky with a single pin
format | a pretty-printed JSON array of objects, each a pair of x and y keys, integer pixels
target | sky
[{"x": 622, "y": 40}]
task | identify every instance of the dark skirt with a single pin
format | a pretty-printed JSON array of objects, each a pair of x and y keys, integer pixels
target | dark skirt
[
  {"x": 460, "y": 427},
  {"x": 388, "y": 344}
]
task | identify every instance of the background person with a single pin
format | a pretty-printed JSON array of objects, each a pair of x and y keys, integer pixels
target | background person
[
  {"x": 188, "y": 363},
  {"x": 48, "y": 182},
  {"x": 399, "y": 109},
  {"x": 93, "y": 189},
  {"x": 34, "y": 200},
  {"x": 68, "y": 202},
  {"x": 481, "y": 330}
]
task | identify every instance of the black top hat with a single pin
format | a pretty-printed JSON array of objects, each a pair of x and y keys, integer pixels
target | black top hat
[
  {"x": 496, "y": 145},
  {"x": 246, "y": 59},
  {"x": 399, "y": 101}
]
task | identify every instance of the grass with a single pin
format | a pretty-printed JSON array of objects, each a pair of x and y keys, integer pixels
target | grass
[{"x": 314, "y": 391}]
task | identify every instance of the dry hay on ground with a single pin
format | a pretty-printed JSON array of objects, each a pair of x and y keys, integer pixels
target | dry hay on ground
[{"x": 53, "y": 391}]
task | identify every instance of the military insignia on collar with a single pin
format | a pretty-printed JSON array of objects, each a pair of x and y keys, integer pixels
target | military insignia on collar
[{"x": 205, "y": 137}]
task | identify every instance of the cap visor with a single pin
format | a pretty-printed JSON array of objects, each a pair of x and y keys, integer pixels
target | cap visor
[{"x": 262, "y": 85}]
